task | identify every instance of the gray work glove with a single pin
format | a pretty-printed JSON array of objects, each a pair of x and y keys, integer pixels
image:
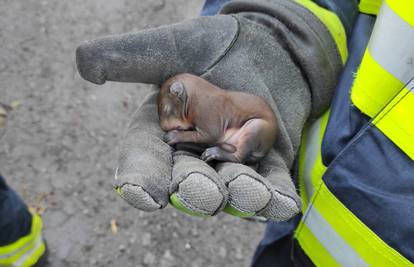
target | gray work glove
[{"x": 278, "y": 51}]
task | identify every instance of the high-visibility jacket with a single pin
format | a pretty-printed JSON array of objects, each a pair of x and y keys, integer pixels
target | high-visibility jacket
[{"x": 356, "y": 164}]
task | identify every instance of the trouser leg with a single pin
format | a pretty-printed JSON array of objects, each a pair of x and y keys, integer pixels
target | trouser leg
[
  {"x": 15, "y": 219},
  {"x": 21, "y": 241}
]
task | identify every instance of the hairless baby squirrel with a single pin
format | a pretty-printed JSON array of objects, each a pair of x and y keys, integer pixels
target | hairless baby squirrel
[{"x": 235, "y": 126}]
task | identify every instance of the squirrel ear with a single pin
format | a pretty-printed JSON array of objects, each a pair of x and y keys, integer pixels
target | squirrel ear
[{"x": 177, "y": 88}]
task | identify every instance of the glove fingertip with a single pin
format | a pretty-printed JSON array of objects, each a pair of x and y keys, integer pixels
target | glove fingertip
[
  {"x": 180, "y": 205},
  {"x": 88, "y": 64},
  {"x": 137, "y": 197},
  {"x": 229, "y": 209},
  {"x": 280, "y": 208}
]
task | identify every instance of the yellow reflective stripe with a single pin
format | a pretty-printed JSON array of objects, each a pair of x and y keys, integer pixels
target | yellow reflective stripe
[
  {"x": 11, "y": 253},
  {"x": 35, "y": 229},
  {"x": 362, "y": 239},
  {"x": 329, "y": 233},
  {"x": 311, "y": 167},
  {"x": 404, "y": 9},
  {"x": 31, "y": 257},
  {"x": 318, "y": 168},
  {"x": 313, "y": 248},
  {"x": 311, "y": 154},
  {"x": 316, "y": 236},
  {"x": 396, "y": 121},
  {"x": 373, "y": 87},
  {"x": 387, "y": 65},
  {"x": 370, "y": 6},
  {"x": 337, "y": 248},
  {"x": 332, "y": 23},
  {"x": 391, "y": 44}
]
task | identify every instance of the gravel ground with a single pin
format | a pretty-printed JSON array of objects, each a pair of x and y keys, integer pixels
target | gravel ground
[{"x": 60, "y": 149}]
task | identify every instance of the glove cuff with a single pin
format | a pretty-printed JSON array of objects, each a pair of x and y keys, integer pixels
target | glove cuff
[{"x": 304, "y": 37}]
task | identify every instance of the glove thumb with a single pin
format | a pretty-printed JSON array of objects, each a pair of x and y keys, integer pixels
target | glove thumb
[{"x": 152, "y": 56}]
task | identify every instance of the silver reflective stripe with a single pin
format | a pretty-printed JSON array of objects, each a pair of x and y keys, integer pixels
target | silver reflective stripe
[
  {"x": 410, "y": 85},
  {"x": 311, "y": 154},
  {"x": 392, "y": 44},
  {"x": 25, "y": 256},
  {"x": 10, "y": 254},
  {"x": 343, "y": 254}
]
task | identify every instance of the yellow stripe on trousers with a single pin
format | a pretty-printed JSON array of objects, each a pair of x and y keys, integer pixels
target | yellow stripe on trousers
[{"x": 25, "y": 251}]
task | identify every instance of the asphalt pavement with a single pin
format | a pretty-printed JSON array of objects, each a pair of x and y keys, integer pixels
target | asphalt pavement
[{"x": 60, "y": 149}]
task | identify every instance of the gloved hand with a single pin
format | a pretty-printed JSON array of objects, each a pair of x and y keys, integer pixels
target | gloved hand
[{"x": 278, "y": 51}]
